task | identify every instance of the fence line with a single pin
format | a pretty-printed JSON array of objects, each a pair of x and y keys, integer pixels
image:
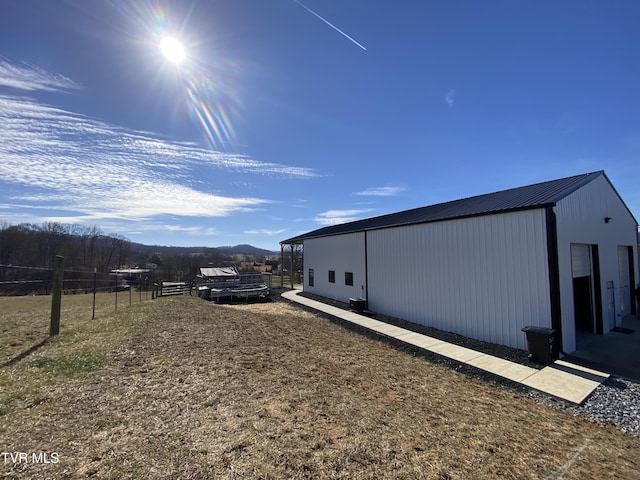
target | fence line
[
  {"x": 175, "y": 288},
  {"x": 19, "y": 280}
]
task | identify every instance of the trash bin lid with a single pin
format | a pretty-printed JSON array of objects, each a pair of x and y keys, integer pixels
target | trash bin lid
[{"x": 540, "y": 330}]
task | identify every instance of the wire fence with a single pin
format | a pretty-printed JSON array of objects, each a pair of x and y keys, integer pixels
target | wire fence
[
  {"x": 126, "y": 288},
  {"x": 19, "y": 280},
  {"x": 38, "y": 302},
  {"x": 118, "y": 288}
]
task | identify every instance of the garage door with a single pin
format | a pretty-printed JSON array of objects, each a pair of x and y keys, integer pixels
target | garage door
[{"x": 580, "y": 260}]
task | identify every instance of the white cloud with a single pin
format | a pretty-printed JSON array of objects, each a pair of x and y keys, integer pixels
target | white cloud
[
  {"x": 197, "y": 230},
  {"x": 91, "y": 169},
  {"x": 450, "y": 97},
  {"x": 334, "y": 217},
  {"x": 264, "y": 231},
  {"x": 29, "y": 77},
  {"x": 381, "y": 191}
]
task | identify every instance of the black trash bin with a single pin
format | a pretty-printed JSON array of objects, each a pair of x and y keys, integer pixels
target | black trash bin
[
  {"x": 358, "y": 304},
  {"x": 540, "y": 343}
]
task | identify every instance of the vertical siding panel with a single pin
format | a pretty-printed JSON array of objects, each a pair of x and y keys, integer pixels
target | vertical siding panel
[
  {"x": 528, "y": 289},
  {"x": 453, "y": 274},
  {"x": 483, "y": 277},
  {"x": 474, "y": 316},
  {"x": 425, "y": 261},
  {"x": 439, "y": 263},
  {"x": 514, "y": 245},
  {"x": 487, "y": 318},
  {"x": 499, "y": 292},
  {"x": 471, "y": 260}
]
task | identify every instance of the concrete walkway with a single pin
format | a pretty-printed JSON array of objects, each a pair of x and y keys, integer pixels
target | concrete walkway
[
  {"x": 615, "y": 352},
  {"x": 561, "y": 379}
]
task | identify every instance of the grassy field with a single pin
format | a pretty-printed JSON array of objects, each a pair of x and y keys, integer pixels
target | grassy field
[{"x": 182, "y": 388}]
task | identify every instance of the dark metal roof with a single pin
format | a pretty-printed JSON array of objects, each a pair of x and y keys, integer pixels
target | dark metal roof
[{"x": 522, "y": 198}]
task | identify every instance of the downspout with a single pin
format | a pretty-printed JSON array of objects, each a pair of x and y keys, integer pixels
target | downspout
[{"x": 554, "y": 277}]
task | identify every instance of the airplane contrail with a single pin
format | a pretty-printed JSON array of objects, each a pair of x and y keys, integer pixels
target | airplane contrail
[{"x": 329, "y": 23}]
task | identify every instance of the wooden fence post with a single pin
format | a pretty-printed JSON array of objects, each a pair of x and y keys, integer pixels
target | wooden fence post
[{"x": 56, "y": 296}]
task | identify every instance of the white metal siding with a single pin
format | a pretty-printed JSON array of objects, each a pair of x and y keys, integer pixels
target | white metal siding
[
  {"x": 340, "y": 253},
  {"x": 483, "y": 277},
  {"x": 580, "y": 219}
]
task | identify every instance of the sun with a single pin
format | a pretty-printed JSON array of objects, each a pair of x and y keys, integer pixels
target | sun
[{"x": 172, "y": 50}]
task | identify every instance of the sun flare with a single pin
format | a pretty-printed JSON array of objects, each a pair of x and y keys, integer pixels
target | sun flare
[{"x": 172, "y": 50}]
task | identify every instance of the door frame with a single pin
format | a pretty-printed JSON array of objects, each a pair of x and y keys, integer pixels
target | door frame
[{"x": 595, "y": 288}]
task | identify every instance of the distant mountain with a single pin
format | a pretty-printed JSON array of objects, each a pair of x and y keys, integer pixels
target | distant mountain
[
  {"x": 166, "y": 249},
  {"x": 169, "y": 250},
  {"x": 247, "y": 250}
]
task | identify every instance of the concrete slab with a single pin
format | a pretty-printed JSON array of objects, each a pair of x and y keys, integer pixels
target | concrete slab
[
  {"x": 503, "y": 368},
  {"x": 333, "y": 310},
  {"x": 565, "y": 382},
  {"x": 390, "y": 330},
  {"x": 595, "y": 375},
  {"x": 455, "y": 352},
  {"x": 615, "y": 352},
  {"x": 424, "y": 342},
  {"x": 350, "y": 316},
  {"x": 408, "y": 334},
  {"x": 367, "y": 322}
]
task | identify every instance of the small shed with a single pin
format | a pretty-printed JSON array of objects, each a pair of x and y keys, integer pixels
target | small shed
[{"x": 560, "y": 254}]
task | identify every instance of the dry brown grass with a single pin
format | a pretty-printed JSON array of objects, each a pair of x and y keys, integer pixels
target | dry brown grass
[
  {"x": 24, "y": 321},
  {"x": 182, "y": 388}
]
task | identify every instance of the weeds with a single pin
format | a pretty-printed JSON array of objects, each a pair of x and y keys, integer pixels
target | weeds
[{"x": 182, "y": 388}]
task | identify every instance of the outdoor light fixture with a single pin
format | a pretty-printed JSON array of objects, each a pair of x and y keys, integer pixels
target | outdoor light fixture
[{"x": 607, "y": 219}]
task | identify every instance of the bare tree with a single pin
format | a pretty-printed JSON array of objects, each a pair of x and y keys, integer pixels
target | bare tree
[
  {"x": 52, "y": 236},
  {"x": 113, "y": 251}
]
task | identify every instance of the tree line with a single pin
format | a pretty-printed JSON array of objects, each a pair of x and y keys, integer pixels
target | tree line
[
  {"x": 84, "y": 247},
  {"x": 87, "y": 247}
]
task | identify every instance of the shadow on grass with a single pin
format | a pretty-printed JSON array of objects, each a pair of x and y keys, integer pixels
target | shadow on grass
[{"x": 24, "y": 354}]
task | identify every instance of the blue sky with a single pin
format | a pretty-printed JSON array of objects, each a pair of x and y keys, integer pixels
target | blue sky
[{"x": 289, "y": 116}]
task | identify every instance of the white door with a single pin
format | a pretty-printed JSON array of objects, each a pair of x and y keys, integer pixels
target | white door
[{"x": 624, "y": 295}]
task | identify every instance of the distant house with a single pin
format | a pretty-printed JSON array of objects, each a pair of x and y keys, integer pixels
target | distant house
[{"x": 558, "y": 254}]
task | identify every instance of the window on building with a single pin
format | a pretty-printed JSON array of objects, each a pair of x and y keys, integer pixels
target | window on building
[
  {"x": 332, "y": 276},
  {"x": 348, "y": 278},
  {"x": 311, "y": 277}
]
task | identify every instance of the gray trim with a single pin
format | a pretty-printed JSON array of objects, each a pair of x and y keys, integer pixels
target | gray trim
[{"x": 554, "y": 277}]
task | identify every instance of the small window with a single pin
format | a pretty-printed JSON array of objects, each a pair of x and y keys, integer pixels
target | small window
[
  {"x": 348, "y": 278},
  {"x": 332, "y": 276},
  {"x": 311, "y": 277}
]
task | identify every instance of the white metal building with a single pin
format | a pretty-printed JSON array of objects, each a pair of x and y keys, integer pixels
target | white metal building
[{"x": 559, "y": 254}]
